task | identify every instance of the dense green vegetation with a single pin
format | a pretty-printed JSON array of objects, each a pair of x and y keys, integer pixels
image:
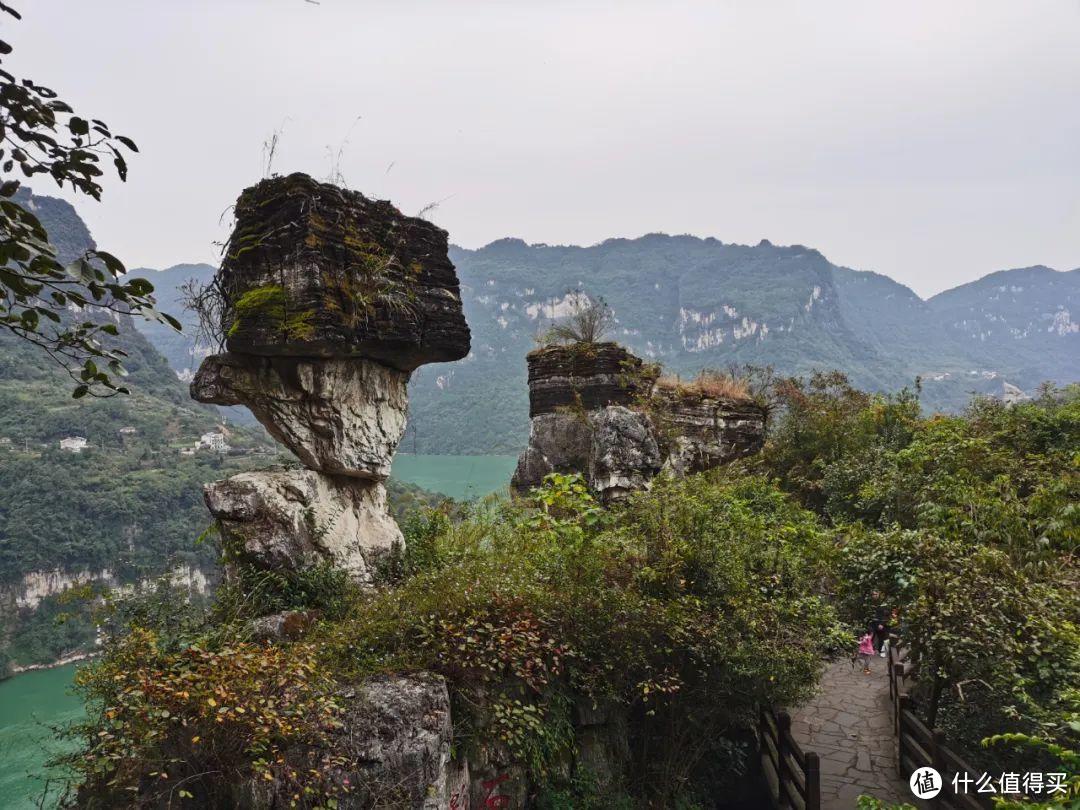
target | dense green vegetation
[
  {"x": 127, "y": 512},
  {"x": 685, "y": 607},
  {"x": 133, "y": 512},
  {"x": 968, "y": 526}
]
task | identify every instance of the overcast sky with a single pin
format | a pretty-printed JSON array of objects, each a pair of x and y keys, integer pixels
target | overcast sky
[{"x": 932, "y": 141}]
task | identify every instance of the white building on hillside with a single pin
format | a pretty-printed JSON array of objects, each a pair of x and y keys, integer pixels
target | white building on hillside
[
  {"x": 212, "y": 441},
  {"x": 73, "y": 444}
]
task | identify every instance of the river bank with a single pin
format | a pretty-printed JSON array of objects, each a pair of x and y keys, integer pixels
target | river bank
[{"x": 63, "y": 661}]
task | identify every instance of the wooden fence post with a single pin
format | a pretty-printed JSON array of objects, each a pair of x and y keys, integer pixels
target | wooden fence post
[
  {"x": 895, "y": 677},
  {"x": 813, "y": 781},
  {"x": 937, "y": 742},
  {"x": 783, "y": 728},
  {"x": 902, "y": 705},
  {"x": 763, "y": 744}
]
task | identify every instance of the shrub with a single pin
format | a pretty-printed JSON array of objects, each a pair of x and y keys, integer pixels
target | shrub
[
  {"x": 968, "y": 526},
  {"x": 590, "y": 323},
  {"x": 198, "y": 723}
]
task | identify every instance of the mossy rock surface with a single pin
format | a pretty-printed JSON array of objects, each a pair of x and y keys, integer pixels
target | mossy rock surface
[{"x": 319, "y": 271}]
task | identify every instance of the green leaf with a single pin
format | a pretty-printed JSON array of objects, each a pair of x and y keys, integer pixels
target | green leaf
[{"x": 112, "y": 264}]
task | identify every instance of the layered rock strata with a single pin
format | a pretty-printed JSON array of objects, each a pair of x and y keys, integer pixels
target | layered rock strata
[
  {"x": 329, "y": 301},
  {"x": 587, "y": 376},
  {"x": 313, "y": 270},
  {"x": 596, "y": 411},
  {"x": 704, "y": 432}
]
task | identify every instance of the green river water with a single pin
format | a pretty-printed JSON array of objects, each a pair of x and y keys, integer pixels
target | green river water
[
  {"x": 460, "y": 477},
  {"x": 34, "y": 704}
]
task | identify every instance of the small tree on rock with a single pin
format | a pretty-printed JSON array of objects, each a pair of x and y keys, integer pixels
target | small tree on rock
[{"x": 589, "y": 324}]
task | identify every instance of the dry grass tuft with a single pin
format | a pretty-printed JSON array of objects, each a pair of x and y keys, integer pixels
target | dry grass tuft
[{"x": 711, "y": 384}]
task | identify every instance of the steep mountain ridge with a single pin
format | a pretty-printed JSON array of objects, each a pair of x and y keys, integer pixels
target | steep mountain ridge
[
  {"x": 1027, "y": 312},
  {"x": 35, "y": 394},
  {"x": 179, "y": 348}
]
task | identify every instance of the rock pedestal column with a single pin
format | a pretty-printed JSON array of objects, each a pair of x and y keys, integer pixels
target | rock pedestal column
[
  {"x": 595, "y": 411},
  {"x": 329, "y": 300}
]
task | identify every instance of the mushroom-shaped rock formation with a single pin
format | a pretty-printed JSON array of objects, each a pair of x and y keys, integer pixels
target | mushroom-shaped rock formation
[
  {"x": 596, "y": 411},
  {"x": 329, "y": 301}
]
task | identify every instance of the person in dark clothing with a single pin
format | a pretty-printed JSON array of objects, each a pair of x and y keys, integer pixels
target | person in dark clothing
[{"x": 879, "y": 629}]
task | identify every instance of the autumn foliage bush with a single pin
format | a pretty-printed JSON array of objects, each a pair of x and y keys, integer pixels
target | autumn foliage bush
[
  {"x": 164, "y": 720},
  {"x": 708, "y": 383}
]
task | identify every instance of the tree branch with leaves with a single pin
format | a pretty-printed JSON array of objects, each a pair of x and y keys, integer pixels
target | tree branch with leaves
[{"x": 49, "y": 304}]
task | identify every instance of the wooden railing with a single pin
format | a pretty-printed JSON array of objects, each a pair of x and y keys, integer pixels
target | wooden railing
[
  {"x": 793, "y": 777},
  {"x": 918, "y": 745}
]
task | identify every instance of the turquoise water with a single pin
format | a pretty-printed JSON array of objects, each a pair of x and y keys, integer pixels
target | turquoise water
[
  {"x": 32, "y": 705},
  {"x": 460, "y": 477}
]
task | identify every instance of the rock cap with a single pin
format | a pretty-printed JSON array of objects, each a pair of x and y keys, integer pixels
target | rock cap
[
  {"x": 314, "y": 270},
  {"x": 587, "y": 376}
]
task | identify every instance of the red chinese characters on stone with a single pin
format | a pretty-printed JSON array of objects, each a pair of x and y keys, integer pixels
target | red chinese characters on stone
[{"x": 493, "y": 801}]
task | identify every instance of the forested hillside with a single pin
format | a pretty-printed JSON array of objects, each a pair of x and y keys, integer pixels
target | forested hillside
[
  {"x": 179, "y": 348},
  {"x": 1030, "y": 315}
]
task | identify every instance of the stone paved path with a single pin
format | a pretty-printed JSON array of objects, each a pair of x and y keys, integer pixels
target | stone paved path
[{"x": 849, "y": 724}]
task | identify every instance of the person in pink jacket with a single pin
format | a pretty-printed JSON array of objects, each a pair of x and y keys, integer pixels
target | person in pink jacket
[{"x": 866, "y": 651}]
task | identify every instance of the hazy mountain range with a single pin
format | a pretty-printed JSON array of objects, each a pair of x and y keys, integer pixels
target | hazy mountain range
[{"x": 691, "y": 303}]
